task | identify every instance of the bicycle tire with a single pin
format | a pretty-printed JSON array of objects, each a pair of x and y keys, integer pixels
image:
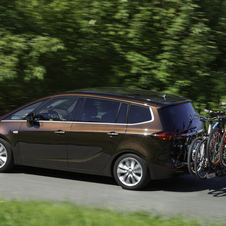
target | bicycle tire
[
  {"x": 202, "y": 166},
  {"x": 191, "y": 155},
  {"x": 213, "y": 146},
  {"x": 223, "y": 151}
]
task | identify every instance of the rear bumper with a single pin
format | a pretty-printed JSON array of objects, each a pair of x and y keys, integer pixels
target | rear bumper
[{"x": 158, "y": 172}]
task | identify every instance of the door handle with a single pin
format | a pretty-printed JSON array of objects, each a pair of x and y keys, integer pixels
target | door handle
[
  {"x": 112, "y": 134},
  {"x": 59, "y": 132}
]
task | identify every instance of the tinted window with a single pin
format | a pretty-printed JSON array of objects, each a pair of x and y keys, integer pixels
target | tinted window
[
  {"x": 139, "y": 114},
  {"x": 99, "y": 110},
  {"x": 179, "y": 117},
  {"x": 21, "y": 114},
  {"x": 122, "y": 113},
  {"x": 59, "y": 109}
]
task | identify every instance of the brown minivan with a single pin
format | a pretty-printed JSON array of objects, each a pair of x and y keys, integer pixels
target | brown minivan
[{"x": 131, "y": 134}]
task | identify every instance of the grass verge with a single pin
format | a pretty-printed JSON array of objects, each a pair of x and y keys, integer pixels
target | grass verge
[{"x": 35, "y": 213}]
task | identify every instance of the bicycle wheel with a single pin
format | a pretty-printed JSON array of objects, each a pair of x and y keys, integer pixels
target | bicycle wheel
[
  {"x": 213, "y": 146},
  {"x": 223, "y": 151},
  {"x": 191, "y": 155},
  {"x": 202, "y": 166}
]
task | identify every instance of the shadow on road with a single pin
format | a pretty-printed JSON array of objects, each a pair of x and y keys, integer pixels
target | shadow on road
[
  {"x": 63, "y": 174},
  {"x": 186, "y": 183}
]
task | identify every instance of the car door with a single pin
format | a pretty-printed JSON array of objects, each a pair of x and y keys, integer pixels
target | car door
[
  {"x": 45, "y": 142},
  {"x": 10, "y": 126},
  {"x": 94, "y": 138}
]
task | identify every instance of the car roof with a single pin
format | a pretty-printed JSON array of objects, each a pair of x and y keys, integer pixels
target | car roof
[{"x": 153, "y": 97}]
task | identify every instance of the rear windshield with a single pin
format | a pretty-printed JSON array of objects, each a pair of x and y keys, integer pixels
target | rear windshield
[{"x": 179, "y": 118}]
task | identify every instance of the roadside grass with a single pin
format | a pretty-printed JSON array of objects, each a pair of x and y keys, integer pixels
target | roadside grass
[{"x": 35, "y": 213}]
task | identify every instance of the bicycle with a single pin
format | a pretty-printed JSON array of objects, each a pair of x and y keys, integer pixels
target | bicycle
[
  {"x": 214, "y": 141},
  {"x": 193, "y": 147},
  {"x": 222, "y": 149},
  {"x": 195, "y": 143},
  {"x": 207, "y": 154},
  {"x": 201, "y": 165}
]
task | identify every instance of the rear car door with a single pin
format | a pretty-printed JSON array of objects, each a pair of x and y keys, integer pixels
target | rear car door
[{"x": 94, "y": 137}]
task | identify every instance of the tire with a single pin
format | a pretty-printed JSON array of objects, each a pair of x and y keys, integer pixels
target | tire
[
  {"x": 213, "y": 146},
  {"x": 131, "y": 172},
  {"x": 191, "y": 155},
  {"x": 223, "y": 151},
  {"x": 6, "y": 158},
  {"x": 202, "y": 167}
]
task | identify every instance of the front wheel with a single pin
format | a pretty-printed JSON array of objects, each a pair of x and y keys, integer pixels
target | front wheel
[
  {"x": 6, "y": 158},
  {"x": 131, "y": 172}
]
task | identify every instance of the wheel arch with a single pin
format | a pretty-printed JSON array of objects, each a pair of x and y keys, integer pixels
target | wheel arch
[
  {"x": 6, "y": 139},
  {"x": 13, "y": 147}
]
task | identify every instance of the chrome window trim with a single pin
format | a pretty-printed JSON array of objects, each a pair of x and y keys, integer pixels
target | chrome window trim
[
  {"x": 115, "y": 123},
  {"x": 152, "y": 119},
  {"x": 101, "y": 123},
  {"x": 36, "y": 121},
  {"x": 13, "y": 120}
]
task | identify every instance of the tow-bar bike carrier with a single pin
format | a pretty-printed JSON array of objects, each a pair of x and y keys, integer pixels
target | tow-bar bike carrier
[{"x": 207, "y": 154}]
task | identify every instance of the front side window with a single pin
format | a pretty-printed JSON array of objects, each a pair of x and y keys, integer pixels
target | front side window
[
  {"x": 59, "y": 109},
  {"x": 138, "y": 114},
  {"x": 100, "y": 110},
  {"x": 21, "y": 114}
]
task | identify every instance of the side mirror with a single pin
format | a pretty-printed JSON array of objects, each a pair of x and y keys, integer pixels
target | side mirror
[{"x": 30, "y": 119}]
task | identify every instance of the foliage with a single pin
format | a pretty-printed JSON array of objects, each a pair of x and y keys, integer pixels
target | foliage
[
  {"x": 175, "y": 46},
  {"x": 34, "y": 213}
]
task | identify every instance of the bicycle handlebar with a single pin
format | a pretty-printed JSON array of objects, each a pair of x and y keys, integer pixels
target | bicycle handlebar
[
  {"x": 222, "y": 104},
  {"x": 215, "y": 112},
  {"x": 216, "y": 118}
]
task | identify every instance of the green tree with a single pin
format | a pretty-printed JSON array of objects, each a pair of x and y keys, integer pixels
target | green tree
[{"x": 175, "y": 46}]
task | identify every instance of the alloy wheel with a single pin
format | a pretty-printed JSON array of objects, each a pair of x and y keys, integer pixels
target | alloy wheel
[
  {"x": 129, "y": 171},
  {"x": 3, "y": 155}
]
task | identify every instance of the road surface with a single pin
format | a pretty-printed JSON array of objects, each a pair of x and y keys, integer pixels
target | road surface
[{"x": 184, "y": 195}]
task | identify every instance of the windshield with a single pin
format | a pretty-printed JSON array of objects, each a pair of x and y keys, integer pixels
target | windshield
[{"x": 180, "y": 118}]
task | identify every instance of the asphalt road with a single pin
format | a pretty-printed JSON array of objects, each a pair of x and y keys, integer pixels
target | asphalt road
[{"x": 184, "y": 195}]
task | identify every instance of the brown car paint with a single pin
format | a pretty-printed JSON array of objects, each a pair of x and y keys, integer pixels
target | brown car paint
[{"x": 89, "y": 147}]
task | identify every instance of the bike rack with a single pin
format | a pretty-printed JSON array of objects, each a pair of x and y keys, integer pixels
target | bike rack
[{"x": 205, "y": 153}]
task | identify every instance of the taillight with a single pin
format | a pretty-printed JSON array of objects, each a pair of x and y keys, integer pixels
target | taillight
[{"x": 165, "y": 135}]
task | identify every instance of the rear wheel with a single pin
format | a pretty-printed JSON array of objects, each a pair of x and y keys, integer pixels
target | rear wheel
[
  {"x": 6, "y": 158},
  {"x": 201, "y": 161},
  {"x": 131, "y": 172},
  {"x": 191, "y": 155},
  {"x": 213, "y": 146},
  {"x": 223, "y": 151}
]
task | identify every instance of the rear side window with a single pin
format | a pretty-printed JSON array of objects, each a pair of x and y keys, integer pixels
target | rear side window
[
  {"x": 138, "y": 114},
  {"x": 179, "y": 118},
  {"x": 100, "y": 110}
]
